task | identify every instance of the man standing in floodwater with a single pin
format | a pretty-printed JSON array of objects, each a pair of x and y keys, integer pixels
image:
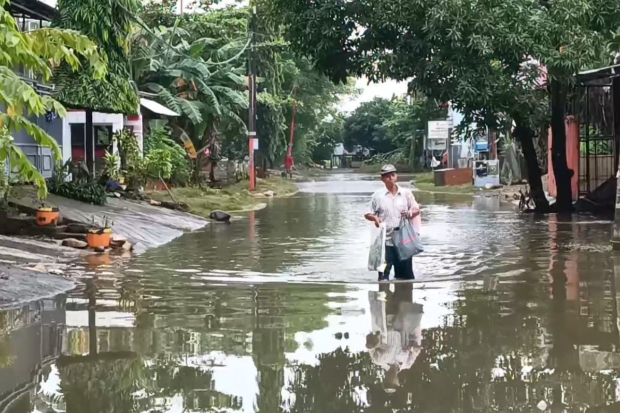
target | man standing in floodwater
[{"x": 390, "y": 205}]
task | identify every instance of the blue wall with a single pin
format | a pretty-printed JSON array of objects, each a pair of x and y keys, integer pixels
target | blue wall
[{"x": 40, "y": 156}]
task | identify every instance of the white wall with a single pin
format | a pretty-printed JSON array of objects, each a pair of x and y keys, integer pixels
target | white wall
[{"x": 114, "y": 119}]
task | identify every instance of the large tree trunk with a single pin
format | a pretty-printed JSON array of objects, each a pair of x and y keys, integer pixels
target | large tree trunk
[
  {"x": 563, "y": 175},
  {"x": 525, "y": 135}
]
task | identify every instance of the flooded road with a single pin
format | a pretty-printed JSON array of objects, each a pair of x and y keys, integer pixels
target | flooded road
[{"x": 277, "y": 313}]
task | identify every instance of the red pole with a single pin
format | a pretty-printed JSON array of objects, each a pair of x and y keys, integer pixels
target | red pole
[
  {"x": 290, "y": 144},
  {"x": 252, "y": 170}
]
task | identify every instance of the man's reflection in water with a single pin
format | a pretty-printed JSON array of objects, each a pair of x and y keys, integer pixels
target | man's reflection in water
[{"x": 396, "y": 338}]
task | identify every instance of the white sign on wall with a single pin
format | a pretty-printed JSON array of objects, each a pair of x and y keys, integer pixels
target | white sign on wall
[{"x": 438, "y": 135}]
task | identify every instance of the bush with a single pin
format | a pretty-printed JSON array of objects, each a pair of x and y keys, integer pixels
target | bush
[
  {"x": 89, "y": 192},
  {"x": 79, "y": 189},
  {"x": 166, "y": 157}
]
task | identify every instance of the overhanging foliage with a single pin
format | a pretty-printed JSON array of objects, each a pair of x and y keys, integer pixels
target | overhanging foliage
[{"x": 108, "y": 23}]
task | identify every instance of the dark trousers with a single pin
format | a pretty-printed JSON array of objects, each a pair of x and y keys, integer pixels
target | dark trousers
[{"x": 403, "y": 270}]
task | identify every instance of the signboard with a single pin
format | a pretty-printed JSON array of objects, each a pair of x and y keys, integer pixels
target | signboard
[
  {"x": 255, "y": 143},
  {"x": 438, "y": 135}
]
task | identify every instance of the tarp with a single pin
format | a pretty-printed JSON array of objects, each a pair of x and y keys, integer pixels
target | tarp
[{"x": 511, "y": 170}]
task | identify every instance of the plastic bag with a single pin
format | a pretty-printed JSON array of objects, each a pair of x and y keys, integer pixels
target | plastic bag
[
  {"x": 407, "y": 240},
  {"x": 376, "y": 255}
]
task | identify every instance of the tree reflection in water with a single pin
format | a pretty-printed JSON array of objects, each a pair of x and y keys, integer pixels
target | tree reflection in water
[{"x": 485, "y": 357}]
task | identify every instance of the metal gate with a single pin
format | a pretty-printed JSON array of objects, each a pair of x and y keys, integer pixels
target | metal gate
[{"x": 592, "y": 106}]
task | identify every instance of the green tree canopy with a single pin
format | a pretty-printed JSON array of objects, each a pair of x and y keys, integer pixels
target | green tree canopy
[
  {"x": 364, "y": 127},
  {"x": 108, "y": 23},
  {"x": 473, "y": 53},
  {"x": 222, "y": 35},
  {"x": 39, "y": 51},
  {"x": 392, "y": 126}
]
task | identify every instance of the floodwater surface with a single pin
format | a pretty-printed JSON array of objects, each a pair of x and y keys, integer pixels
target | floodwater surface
[{"x": 278, "y": 313}]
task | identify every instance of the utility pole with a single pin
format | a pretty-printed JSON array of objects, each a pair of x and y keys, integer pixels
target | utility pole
[
  {"x": 290, "y": 144},
  {"x": 252, "y": 95}
]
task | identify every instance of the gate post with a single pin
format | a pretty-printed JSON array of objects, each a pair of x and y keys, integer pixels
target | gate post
[
  {"x": 615, "y": 237},
  {"x": 615, "y": 90}
]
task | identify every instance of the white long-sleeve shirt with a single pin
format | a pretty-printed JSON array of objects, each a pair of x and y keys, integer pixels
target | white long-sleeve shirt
[{"x": 389, "y": 209}]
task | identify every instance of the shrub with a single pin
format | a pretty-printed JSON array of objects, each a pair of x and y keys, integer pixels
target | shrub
[
  {"x": 89, "y": 192},
  {"x": 79, "y": 189},
  {"x": 112, "y": 170},
  {"x": 166, "y": 157}
]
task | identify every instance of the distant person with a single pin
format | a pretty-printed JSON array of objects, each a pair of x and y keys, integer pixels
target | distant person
[
  {"x": 390, "y": 205},
  {"x": 288, "y": 165},
  {"x": 445, "y": 159}
]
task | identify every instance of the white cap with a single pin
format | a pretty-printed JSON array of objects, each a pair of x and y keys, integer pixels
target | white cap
[{"x": 387, "y": 169}]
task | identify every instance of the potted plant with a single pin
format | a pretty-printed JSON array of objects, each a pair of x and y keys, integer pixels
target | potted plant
[
  {"x": 99, "y": 236},
  {"x": 47, "y": 215}
]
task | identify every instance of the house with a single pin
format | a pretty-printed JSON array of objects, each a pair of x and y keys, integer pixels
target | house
[
  {"x": 69, "y": 132},
  {"x": 31, "y": 15}
]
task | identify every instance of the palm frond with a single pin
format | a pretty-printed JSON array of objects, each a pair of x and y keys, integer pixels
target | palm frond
[{"x": 193, "y": 110}]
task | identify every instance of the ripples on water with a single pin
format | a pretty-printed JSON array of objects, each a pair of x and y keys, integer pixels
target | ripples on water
[{"x": 272, "y": 314}]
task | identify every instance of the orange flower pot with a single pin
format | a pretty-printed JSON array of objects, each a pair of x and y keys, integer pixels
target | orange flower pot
[
  {"x": 47, "y": 216},
  {"x": 97, "y": 238}
]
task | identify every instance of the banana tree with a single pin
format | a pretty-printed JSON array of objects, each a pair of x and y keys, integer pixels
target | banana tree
[{"x": 184, "y": 75}]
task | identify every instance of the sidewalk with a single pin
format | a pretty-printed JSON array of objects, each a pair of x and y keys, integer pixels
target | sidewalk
[
  {"x": 33, "y": 269},
  {"x": 144, "y": 225}
]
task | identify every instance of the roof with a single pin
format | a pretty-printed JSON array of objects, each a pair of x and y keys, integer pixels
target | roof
[
  {"x": 33, "y": 9},
  {"x": 601, "y": 73},
  {"x": 157, "y": 108}
]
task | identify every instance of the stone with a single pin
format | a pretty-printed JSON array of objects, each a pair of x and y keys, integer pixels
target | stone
[
  {"x": 127, "y": 246},
  {"x": 116, "y": 194},
  {"x": 118, "y": 238},
  {"x": 99, "y": 249},
  {"x": 269, "y": 194},
  {"x": 220, "y": 216},
  {"x": 155, "y": 203},
  {"x": 55, "y": 271},
  {"x": 117, "y": 244},
  {"x": 118, "y": 241},
  {"x": 77, "y": 228},
  {"x": 40, "y": 268},
  {"x": 75, "y": 243}
]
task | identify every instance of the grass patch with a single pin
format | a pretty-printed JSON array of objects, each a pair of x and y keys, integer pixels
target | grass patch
[
  {"x": 425, "y": 182},
  {"x": 237, "y": 197},
  {"x": 424, "y": 178},
  {"x": 430, "y": 187}
]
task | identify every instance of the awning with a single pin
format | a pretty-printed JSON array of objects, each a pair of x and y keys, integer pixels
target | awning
[
  {"x": 601, "y": 73},
  {"x": 157, "y": 108}
]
